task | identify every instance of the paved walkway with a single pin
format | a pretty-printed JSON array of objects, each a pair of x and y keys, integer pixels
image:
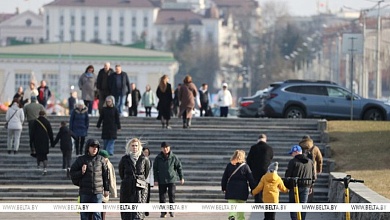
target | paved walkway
[{"x": 156, "y": 216}]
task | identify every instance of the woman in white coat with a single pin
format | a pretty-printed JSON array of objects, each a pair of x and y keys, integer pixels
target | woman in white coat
[
  {"x": 15, "y": 118},
  {"x": 224, "y": 100}
]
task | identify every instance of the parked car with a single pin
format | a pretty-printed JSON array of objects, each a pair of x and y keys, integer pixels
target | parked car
[
  {"x": 321, "y": 99},
  {"x": 252, "y": 107}
]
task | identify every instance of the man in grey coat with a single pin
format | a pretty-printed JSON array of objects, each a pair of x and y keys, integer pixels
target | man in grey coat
[{"x": 32, "y": 113}]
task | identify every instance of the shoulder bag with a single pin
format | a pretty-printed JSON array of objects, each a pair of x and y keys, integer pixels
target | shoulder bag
[
  {"x": 6, "y": 123},
  {"x": 235, "y": 171},
  {"x": 139, "y": 183}
]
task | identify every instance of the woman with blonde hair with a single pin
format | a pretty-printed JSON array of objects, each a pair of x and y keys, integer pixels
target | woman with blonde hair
[
  {"x": 235, "y": 181},
  {"x": 164, "y": 94},
  {"x": 133, "y": 168},
  {"x": 187, "y": 94}
]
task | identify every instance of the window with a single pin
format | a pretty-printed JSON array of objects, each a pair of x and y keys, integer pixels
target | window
[
  {"x": 210, "y": 37},
  {"x": 134, "y": 36},
  {"x": 109, "y": 37},
  {"x": 47, "y": 20},
  {"x": 72, "y": 35},
  {"x": 47, "y": 34},
  {"x": 28, "y": 39},
  {"x": 109, "y": 21},
  {"x": 134, "y": 22},
  {"x": 22, "y": 79},
  {"x": 96, "y": 34},
  {"x": 121, "y": 37},
  {"x": 337, "y": 92},
  {"x": 51, "y": 80},
  {"x": 145, "y": 21},
  {"x": 72, "y": 20},
  {"x": 61, "y": 20},
  {"x": 121, "y": 21},
  {"x": 82, "y": 35},
  {"x": 83, "y": 20},
  {"x": 74, "y": 80},
  {"x": 159, "y": 36},
  {"x": 96, "y": 21},
  {"x": 309, "y": 90}
]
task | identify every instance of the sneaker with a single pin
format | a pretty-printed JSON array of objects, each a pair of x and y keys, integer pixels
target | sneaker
[
  {"x": 169, "y": 127},
  {"x": 146, "y": 213},
  {"x": 231, "y": 218},
  {"x": 172, "y": 214},
  {"x": 163, "y": 215},
  {"x": 44, "y": 172}
]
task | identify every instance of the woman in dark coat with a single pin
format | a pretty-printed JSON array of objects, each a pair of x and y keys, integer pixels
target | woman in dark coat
[
  {"x": 133, "y": 165},
  {"x": 187, "y": 95},
  {"x": 42, "y": 137},
  {"x": 111, "y": 124},
  {"x": 79, "y": 124},
  {"x": 164, "y": 94},
  {"x": 235, "y": 181}
]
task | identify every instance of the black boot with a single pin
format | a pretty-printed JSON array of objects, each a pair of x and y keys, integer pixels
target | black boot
[
  {"x": 185, "y": 123},
  {"x": 168, "y": 127},
  {"x": 188, "y": 122}
]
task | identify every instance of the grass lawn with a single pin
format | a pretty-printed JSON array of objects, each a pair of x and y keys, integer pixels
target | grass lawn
[{"x": 362, "y": 149}]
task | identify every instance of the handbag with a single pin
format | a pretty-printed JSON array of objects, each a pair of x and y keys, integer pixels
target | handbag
[
  {"x": 6, "y": 123},
  {"x": 141, "y": 184}
]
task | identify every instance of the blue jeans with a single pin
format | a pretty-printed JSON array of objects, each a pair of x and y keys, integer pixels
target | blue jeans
[
  {"x": 303, "y": 195},
  {"x": 119, "y": 102},
  {"x": 109, "y": 145},
  {"x": 94, "y": 198}
]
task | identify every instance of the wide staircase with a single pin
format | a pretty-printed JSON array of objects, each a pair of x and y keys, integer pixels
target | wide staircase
[{"x": 204, "y": 151}]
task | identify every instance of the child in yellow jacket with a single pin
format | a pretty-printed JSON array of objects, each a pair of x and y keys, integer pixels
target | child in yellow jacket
[{"x": 270, "y": 184}]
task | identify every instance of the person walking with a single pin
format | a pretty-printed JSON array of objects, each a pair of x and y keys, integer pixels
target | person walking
[
  {"x": 176, "y": 101},
  {"x": 65, "y": 135},
  {"x": 270, "y": 184},
  {"x": 42, "y": 135},
  {"x": 224, "y": 100},
  {"x": 119, "y": 87},
  {"x": 164, "y": 94},
  {"x": 204, "y": 97},
  {"x": 31, "y": 112},
  {"x": 259, "y": 158},
  {"x": 72, "y": 100},
  {"x": 135, "y": 99},
  {"x": 111, "y": 177},
  {"x": 150, "y": 178},
  {"x": 87, "y": 87},
  {"x": 148, "y": 101},
  {"x": 44, "y": 93},
  {"x": 313, "y": 153},
  {"x": 102, "y": 83},
  {"x": 235, "y": 180},
  {"x": 79, "y": 125},
  {"x": 90, "y": 173},
  {"x": 167, "y": 169},
  {"x": 133, "y": 168},
  {"x": 14, "y": 118},
  {"x": 302, "y": 167},
  {"x": 187, "y": 95},
  {"x": 111, "y": 124},
  {"x": 30, "y": 91}
]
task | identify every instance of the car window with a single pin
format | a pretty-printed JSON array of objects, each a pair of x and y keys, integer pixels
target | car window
[
  {"x": 309, "y": 90},
  {"x": 337, "y": 92}
]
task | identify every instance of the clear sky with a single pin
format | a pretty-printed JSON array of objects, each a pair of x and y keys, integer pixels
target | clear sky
[{"x": 297, "y": 7}]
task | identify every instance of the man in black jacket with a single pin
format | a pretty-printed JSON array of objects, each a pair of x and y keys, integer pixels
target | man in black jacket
[
  {"x": 302, "y": 167},
  {"x": 135, "y": 98},
  {"x": 259, "y": 158},
  {"x": 90, "y": 173},
  {"x": 119, "y": 86},
  {"x": 102, "y": 84}
]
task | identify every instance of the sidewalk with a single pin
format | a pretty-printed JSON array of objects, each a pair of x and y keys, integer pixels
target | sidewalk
[{"x": 156, "y": 216}]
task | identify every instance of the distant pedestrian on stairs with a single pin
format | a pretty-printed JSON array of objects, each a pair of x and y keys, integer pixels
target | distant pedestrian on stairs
[
  {"x": 42, "y": 137},
  {"x": 164, "y": 94},
  {"x": 187, "y": 95},
  {"x": 259, "y": 158},
  {"x": 79, "y": 125}
]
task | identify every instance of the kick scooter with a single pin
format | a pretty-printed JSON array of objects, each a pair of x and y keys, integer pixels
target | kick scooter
[
  {"x": 347, "y": 179},
  {"x": 296, "y": 191}
]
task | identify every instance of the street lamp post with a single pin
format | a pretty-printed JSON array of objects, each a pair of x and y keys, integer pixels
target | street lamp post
[{"x": 378, "y": 54}]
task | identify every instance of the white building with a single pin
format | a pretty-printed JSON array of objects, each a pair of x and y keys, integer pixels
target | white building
[
  {"x": 26, "y": 27},
  {"x": 61, "y": 65}
]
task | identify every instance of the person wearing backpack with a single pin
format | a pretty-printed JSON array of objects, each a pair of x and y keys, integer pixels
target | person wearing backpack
[{"x": 314, "y": 153}]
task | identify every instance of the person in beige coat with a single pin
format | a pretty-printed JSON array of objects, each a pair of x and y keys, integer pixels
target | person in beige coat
[
  {"x": 314, "y": 153},
  {"x": 111, "y": 177},
  {"x": 187, "y": 94}
]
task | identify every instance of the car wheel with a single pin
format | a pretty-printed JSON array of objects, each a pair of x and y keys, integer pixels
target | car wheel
[
  {"x": 294, "y": 112},
  {"x": 373, "y": 114}
]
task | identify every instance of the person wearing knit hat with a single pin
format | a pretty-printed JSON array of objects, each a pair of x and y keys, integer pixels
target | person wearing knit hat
[
  {"x": 270, "y": 184},
  {"x": 112, "y": 179}
]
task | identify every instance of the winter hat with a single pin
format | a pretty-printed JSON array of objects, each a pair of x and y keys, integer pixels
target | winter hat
[
  {"x": 273, "y": 167},
  {"x": 80, "y": 102},
  {"x": 295, "y": 148},
  {"x": 224, "y": 85},
  {"x": 104, "y": 153}
]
